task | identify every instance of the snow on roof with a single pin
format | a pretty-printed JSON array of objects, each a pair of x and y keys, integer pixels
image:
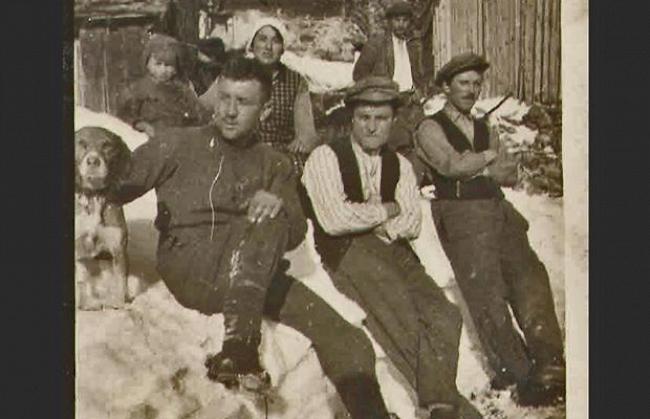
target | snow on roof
[{"x": 118, "y": 8}]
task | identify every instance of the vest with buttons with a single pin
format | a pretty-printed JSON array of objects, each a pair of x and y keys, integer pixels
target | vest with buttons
[
  {"x": 333, "y": 248},
  {"x": 479, "y": 187}
]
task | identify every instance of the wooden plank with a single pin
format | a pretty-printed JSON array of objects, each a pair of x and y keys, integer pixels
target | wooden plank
[
  {"x": 546, "y": 52},
  {"x": 555, "y": 57},
  {"x": 539, "y": 58},
  {"x": 134, "y": 40},
  {"x": 529, "y": 48},
  {"x": 78, "y": 75},
  {"x": 515, "y": 50},
  {"x": 480, "y": 19},
  {"x": 92, "y": 41},
  {"x": 115, "y": 67}
]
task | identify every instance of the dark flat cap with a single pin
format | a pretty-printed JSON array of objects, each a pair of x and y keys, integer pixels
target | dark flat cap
[
  {"x": 399, "y": 8},
  {"x": 373, "y": 89},
  {"x": 459, "y": 64}
]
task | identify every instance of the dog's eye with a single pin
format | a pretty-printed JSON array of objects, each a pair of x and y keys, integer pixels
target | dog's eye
[
  {"x": 81, "y": 143},
  {"x": 107, "y": 147}
]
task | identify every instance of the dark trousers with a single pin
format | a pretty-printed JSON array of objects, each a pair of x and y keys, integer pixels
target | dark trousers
[
  {"x": 408, "y": 315},
  {"x": 496, "y": 269},
  {"x": 198, "y": 273}
]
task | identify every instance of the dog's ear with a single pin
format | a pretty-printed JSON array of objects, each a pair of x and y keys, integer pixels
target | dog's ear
[{"x": 121, "y": 163}]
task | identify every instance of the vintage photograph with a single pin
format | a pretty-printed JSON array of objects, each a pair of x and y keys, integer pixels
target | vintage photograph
[{"x": 329, "y": 209}]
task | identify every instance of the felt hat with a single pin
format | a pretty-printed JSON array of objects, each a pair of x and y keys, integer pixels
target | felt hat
[
  {"x": 399, "y": 8},
  {"x": 373, "y": 89},
  {"x": 459, "y": 64}
]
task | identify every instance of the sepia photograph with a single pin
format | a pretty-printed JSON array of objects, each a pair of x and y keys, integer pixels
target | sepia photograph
[{"x": 330, "y": 209}]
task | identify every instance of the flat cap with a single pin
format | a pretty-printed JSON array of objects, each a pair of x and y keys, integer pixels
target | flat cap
[
  {"x": 399, "y": 8},
  {"x": 373, "y": 89},
  {"x": 459, "y": 64}
]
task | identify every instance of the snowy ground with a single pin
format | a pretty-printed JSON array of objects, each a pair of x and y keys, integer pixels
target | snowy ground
[{"x": 146, "y": 361}]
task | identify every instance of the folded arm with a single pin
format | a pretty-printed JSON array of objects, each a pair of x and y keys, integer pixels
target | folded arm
[
  {"x": 433, "y": 148},
  {"x": 407, "y": 224},
  {"x": 335, "y": 213}
]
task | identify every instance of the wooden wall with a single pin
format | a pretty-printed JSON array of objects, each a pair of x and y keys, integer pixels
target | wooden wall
[
  {"x": 106, "y": 60},
  {"x": 520, "y": 39}
]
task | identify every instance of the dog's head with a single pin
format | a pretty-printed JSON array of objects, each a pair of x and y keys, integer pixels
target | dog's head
[{"x": 101, "y": 157}]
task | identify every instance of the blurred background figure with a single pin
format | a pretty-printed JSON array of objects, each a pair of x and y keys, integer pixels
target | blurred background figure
[
  {"x": 290, "y": 127},
  {"x": 163, "y": 97}
]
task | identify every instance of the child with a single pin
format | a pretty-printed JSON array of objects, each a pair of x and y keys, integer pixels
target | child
[{"x": 163, "y": 97}]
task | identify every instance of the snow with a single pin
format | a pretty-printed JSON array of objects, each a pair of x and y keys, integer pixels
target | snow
[{"x": 147, "y": 360}]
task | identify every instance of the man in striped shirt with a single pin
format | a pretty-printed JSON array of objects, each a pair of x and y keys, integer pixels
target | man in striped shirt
[{"x": 364, "y": 202}]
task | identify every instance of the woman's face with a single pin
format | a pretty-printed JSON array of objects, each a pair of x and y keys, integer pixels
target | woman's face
[
  {"x": 160, "y": 70},
  {"x": 268, "y": 45}
]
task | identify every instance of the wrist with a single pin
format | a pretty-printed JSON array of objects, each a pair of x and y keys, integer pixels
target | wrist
[{"x": 489, "y": 156}]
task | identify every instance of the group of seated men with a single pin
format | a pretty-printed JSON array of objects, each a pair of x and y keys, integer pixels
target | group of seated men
[{"x": 235, "y": 191}]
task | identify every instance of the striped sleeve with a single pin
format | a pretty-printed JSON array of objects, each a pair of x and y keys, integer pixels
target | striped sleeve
[
  {"x": 407, "y": 224},
  {"x": 334, "y": 211}
]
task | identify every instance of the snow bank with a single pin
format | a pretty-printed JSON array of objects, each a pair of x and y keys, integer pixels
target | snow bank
[{"x": 147, "y": 360}]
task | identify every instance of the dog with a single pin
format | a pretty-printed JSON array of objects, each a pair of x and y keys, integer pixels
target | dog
[{"x": 101, "y": 263}]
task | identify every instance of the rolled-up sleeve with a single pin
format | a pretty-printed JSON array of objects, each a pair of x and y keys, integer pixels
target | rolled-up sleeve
[
  {"x": 334, "y": 211},
  {"x": 303, "y": 117},
  {"x": 432, "y": 147},
  {"x": 407, "y": 224}
]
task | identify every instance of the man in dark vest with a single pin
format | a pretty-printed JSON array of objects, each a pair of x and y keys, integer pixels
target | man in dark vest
[
  {"x": 485, "y": 239},
  {"x": 365, "y": 205}
]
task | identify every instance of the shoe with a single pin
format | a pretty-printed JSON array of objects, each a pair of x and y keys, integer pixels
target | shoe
[
  {"x": 224, "y": 370},
  {"x": 502, "y": 382},
  {"x": 545, "y": 386},
  {"x": 444, "y": 411}
]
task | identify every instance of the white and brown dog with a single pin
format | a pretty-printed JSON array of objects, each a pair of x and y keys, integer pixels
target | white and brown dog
[{"x": 101, "y": 265}]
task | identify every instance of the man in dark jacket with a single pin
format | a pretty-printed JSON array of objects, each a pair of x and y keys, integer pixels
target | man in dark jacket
[
  {"x": 485, "y": 239},
  {"x": 397, "y": 54},
  {"x": 227, "y": 212}
]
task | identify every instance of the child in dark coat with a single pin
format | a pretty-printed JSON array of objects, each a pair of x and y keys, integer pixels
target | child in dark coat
[{"x": 163, "y": 97}]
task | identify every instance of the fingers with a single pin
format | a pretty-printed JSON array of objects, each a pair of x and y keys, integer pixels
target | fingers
[{"x": 261, "y": 209}]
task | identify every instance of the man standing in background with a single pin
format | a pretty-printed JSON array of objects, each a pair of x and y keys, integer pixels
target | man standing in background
[{"x": 398, "y": 55}]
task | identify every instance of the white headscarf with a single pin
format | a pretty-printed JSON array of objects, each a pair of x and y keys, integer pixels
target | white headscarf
[{"x": 267, "y": 21}]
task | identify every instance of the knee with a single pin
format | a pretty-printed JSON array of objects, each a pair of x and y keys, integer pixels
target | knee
[
  {"x": 347, "y": 351},
  {"x": 194, "y": 297}
]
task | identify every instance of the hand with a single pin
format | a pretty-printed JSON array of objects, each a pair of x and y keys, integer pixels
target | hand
[
  {"x": 504, "y": 170},
  {"x": 263, "y": 205},
  {"x": 490, "y": 155},
  {"x": 392, "y": 208},
  {"x": 380, "y": 231},
  {"x": 145, "y": 127},
  {"x": 296, "y": 146}
]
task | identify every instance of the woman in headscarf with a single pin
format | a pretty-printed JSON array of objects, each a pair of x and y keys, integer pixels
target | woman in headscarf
[
  {"x": 163, "y": 97},
  {"x": 290, "y": 127}
]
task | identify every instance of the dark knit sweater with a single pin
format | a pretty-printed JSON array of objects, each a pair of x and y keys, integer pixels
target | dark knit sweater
[{"x": 190, "y": 166}]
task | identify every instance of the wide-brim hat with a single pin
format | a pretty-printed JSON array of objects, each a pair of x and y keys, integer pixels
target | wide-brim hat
[
  {"x": 459, "y": 64},
  {"x": 373, "y": 89},
  {"x": 399, "y": 8}
]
